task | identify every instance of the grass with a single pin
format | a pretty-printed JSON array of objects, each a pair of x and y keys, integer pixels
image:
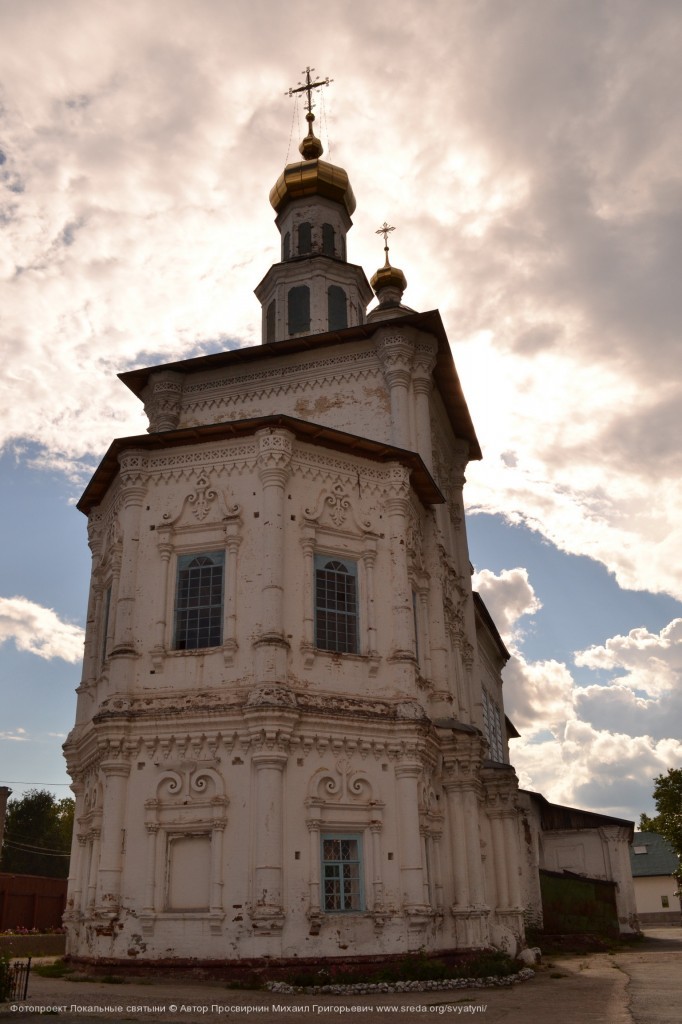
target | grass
[{"x": 58, "y": 969}]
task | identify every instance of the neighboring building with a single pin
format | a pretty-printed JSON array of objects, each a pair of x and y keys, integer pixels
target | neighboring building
[
  {"x": 567, "y": 841},
  {"x": 654, "y": 866},
  {"x": 290, "y": 731}
]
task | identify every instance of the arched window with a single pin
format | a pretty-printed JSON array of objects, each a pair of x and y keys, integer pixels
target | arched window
[
  {"x": 328, "y": 240},
  {"x": 270, "y": 321},
  {"x": 305, "y": 238},
  {"x": 337, "y": 308},
  {"x": 199, "y": 601},
  {"x": 336, "y": 605},
  {"x": 286, "y": 246},
  {"x": 298, "y": 302}
]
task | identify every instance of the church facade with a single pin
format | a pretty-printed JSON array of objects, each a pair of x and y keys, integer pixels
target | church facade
[{"x": 290, "y": 736}]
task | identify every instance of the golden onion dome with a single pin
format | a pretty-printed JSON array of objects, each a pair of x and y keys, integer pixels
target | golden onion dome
[
  {"x": 388, "y": 277},
  {"x": 312, "y": 177}
]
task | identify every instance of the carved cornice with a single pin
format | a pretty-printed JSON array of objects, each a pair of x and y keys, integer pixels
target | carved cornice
[
  {"x": 396, "y": 354},
  {"x": 163, "y": 400},
  {"x": 275, "y": 449}
]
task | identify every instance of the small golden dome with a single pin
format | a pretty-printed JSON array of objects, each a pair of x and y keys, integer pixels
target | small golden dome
[
  {"x": 388, "y": 277},
  {"x": 312, "y": 177}
]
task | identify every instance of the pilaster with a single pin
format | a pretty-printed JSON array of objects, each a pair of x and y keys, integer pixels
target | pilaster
[
  {"x": 275, "y": 448},
  {"x": 396, "y": 355}
]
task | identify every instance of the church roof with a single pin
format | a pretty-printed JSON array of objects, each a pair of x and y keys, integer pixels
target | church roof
[
  {"x": 445, "y": 374},
  {"x": 312, "y": 433}
]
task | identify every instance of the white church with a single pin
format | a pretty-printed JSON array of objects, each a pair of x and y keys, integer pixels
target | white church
[{"x": 290, "y": 737}]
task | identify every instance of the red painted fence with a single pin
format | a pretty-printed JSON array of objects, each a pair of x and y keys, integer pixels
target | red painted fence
[{"x": 31, "y": 901}]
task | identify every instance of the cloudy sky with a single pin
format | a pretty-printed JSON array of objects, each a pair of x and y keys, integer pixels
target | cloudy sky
[{"x": 529, "y": 154}]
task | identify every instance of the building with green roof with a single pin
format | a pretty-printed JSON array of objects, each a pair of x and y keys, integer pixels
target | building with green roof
[{"x": 654, "y": 866}]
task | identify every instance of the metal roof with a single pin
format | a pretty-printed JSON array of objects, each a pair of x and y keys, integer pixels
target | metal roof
[
  {"x": 445, "y": 374},
  {"x": 659, "y": 859},
  {"x": 312, "y": 433}
]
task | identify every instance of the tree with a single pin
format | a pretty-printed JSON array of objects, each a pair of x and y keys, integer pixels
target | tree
[
  {"x": 668, "y": 821},
  {"x": 37, "y": 836}
]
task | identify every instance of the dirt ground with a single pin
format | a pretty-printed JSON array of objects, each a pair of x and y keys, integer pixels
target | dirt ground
[{"x": 638, "y": 985}]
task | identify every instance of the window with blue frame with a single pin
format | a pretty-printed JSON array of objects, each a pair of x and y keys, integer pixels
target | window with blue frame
[
  {"x": 342, "y": 888},
  {"x": 199, "y": 601},
  {"x": 336, "y": 605}
]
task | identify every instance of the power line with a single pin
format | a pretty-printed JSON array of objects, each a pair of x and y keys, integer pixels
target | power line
[
  {"x": 23, "y": 782},
  {"x": 21, "y": 837},
  {"x": 33, "y": 850}
]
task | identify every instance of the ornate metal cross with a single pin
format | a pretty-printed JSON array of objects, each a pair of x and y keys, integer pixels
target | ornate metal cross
[
  {"x": 308, "y": 87},
  {"x": 385, "y": 230}
]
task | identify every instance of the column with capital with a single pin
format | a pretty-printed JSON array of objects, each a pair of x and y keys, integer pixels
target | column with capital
[
  {"x": 511, "y": 837},
  {"x": 458, "y": 845},
  {"x": 77, "y": 879},
  {"x": 496, "y": 818},
  {"x": 407, "y": 777},
  {"x": 274, "y": 466},
  {"x": 232, "y": 543},
  {"x": 396, "y": 355},
  {"x": 422, "y": 384},
  {"x": 369, "y": 557},
  {"x": 473, "y": 845},
  {"x": 397, "y": 506},
  {"x": 74, "y": 885},
  {"x": 267, "y": 911},
  {"x": 91, "y": 662},
  {"x": 113, "y": 816},
  {"x": 94, "y": 837},
  {"x": 133, "y": 475},
  {"x": 152, "y": 829},
  {"x": 315, "y": 905},
  {"x": 216, "y": 897},
  {"x": 376, "y": 828},
  {"x": 165, "y": 548}
]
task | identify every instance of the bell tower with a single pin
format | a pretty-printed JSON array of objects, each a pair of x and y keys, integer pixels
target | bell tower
[{"x": 313, "y": 289}]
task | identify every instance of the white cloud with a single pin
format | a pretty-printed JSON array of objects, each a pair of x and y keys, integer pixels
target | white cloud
[
  {"x": 600, "y": 745},
  {"x": 651, "y": 662},
  {"x": 39, "y": 630},
  {"x": 537, "y": 199},
  {"x": 508, "y": 597},
  {"x": 14, "y": 735}
]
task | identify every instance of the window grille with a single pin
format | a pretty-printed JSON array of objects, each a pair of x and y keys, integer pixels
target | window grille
[
  {"x": 341, "y": 874},
  {"x": 336, "y": 605},
  {"x": 199, "y": 601},
  {"x": 492, "y": 725}
]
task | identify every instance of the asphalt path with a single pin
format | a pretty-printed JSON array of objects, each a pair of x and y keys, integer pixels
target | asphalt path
[{"x": 638, "y": 985}]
